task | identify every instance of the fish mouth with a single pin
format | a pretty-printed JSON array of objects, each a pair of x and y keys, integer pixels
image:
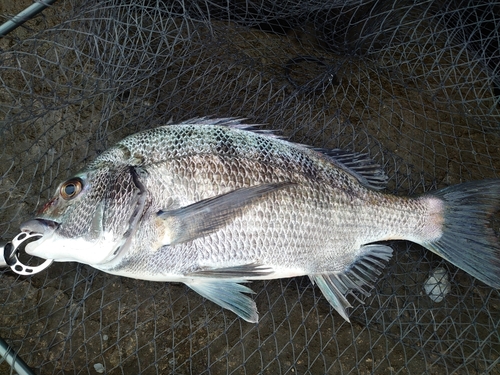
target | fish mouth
[
  {"x": 45, "y": 228},
  {"x": 39, "y": 226}
]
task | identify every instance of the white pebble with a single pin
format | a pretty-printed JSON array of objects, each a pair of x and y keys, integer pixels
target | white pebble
[
  {"x": 99, "y": 368},
  {"x": 437, "y": 285}
]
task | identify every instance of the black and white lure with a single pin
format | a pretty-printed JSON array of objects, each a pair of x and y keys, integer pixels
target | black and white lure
[{"x": 11, "y": 251}]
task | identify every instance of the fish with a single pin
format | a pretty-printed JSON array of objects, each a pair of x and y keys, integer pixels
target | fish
[{"x": 215, "y": 203}]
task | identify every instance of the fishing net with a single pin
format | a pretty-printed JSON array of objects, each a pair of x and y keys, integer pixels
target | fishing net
[{"x": 414, "y": 84}]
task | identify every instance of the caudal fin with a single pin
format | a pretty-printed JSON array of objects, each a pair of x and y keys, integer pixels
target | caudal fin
[{"x": 468, "y": 239}]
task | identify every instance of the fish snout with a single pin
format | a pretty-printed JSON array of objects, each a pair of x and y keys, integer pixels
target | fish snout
[{"x": 41, "y": 226}]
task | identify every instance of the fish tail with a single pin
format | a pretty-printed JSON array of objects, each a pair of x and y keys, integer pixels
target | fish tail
[{"x": 464, "y": 226}]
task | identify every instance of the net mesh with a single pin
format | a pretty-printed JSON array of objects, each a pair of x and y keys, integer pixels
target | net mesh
[{"x": 414, "y": 84}]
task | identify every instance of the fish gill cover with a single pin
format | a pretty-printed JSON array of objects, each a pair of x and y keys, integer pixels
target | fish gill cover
[{"x": 414, "y": 85}]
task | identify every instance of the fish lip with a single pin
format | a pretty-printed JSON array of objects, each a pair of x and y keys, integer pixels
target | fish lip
[{"x": 40, "y": 226}]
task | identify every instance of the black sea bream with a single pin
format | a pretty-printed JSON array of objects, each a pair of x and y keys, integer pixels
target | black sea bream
[{"x": 214, "y": 203}]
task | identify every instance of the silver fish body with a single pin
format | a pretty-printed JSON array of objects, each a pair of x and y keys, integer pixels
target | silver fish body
[{"x": 213, "y": 204}]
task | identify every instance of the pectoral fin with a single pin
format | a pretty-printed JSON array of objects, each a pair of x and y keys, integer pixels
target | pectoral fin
[
  {"x": 209, "y": 215},
  {"x": 229, "y": 295}
]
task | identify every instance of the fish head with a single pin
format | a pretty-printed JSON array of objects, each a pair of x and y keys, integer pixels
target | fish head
[{"x": 89, "y": 217}]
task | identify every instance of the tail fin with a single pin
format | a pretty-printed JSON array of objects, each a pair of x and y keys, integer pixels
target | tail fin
[{"x": 468, "y": 239}]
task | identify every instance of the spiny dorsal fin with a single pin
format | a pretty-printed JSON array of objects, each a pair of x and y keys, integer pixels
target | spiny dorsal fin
[
  {"x": 235, "y": 123},
  {"x": 359, "y": 165}
]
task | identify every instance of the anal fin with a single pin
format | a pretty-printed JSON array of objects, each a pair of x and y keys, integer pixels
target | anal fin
[{"x": 359, "y": 276}]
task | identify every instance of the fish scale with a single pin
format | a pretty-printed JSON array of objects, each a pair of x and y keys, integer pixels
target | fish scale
[{"x": 214, "y": 203}]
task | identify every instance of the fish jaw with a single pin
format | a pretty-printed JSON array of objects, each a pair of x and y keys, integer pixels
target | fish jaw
[{"x": 64, "y": 249}]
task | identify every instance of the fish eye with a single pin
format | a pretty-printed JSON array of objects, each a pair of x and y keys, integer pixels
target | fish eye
[{"x": 71, "y": 188}]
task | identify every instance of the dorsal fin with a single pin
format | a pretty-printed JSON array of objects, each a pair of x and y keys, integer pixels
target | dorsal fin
[
  {"x": 234, "y": 122},
  {"x": 361, "y": 166}
]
